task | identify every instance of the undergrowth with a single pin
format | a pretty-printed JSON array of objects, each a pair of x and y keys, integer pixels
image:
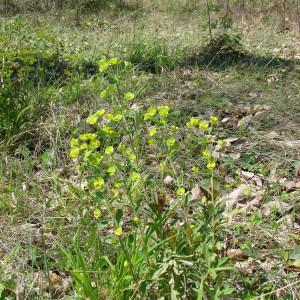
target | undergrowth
[{"x": 113, "y": 170}]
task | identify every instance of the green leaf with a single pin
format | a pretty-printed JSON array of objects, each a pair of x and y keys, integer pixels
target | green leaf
[
  {"x": 296, "y": 253},
  {"x": 201, "y": 290},
  {"x": 119, "y": 215}
]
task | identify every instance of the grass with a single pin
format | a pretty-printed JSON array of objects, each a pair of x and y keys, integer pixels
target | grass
[{"x": 52, "y": 243}]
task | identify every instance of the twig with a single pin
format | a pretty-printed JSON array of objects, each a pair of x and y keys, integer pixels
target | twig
[{"x": 278, "y": 290}]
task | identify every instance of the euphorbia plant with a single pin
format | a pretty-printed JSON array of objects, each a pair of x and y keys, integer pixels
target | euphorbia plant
[{"x": 137, "y": 163}]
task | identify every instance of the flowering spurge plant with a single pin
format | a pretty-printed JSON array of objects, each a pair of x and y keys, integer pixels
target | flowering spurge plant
[{"x": 153, "y": 184}]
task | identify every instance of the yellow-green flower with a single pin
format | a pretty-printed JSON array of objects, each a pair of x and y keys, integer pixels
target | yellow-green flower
[
  {"x": 108, "y": 91},
  {"x": 83, "y": 146},
  {"x": 95, "y": 143},
  {"x": 109, "y": 150},
  {"x": 151, "y": 142},
  {"x": 107, "y": 129},
  {"x": 135, "y": 176},
  {"x": 117, "y": 185},
  {"x": 87, "y": 136},
  {"x": 131, "y": 156},
  {"x": 195, "y": 170},
  {"x": 180, "y": 191},
  {"x": 100, "y": 112},
  {"x": 129, "y": 96},
  {"x": 206, "y": 154},
  {"x": 170, "y": 142},
  {"x": 118, "y": 231},
  {"x": 203, "y": 125},
  {"x": 98, "y": 183},
  {"x": 97, "y": 213},
  {"x": 211, "y": 165},
  {"x": 103, "y": 65},
  {"x": 74, "y": 142},
  {"x": 136, "y": 219},
  {"x": 221, "y": 143},
  {"x": 114, "y": 61},
  {"x": 152, "y": 131},
  {"x": 111, "y": 170},
  {"x": 151, "y": 112},
  {"x": 91, "y": 120},
  {"x": 163, "y": 110},
  {"x": 193, "y": 122},
  {"x": 74, "y": 152},
  {"x": 214, "y": 120}
]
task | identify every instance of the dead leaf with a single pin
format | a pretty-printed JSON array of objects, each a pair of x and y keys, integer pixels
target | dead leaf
[
  {"x": 292, "y": 185},
  {"x": 295, "y": 264},
  {"x": 245, "y": 121},
  {"x": 248, "y": 207},
  {"x": 225, "y": 120},
  {"x": 278, "y": 205},
  {"x": 248, "y": 266},
  {"x": 59, "y": 282},
  {"x": 236, "y": 254},
  {"x": 297, "y": 171},
  {"x": 169, "y": 181},
  {"x": 252, "y": 178},
  {"x": 252, "y": 95},
  {"x": 230, "y": 141},
  {"x": 291, "y": 144},
  {"x": 235, "y": 196},
  {"x": 196, "y": 193}
]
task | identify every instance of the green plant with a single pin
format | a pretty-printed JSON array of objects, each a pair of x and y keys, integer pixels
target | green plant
[
  {"x": 153, "y": 55},
  {"x": 159, "y": 216}
]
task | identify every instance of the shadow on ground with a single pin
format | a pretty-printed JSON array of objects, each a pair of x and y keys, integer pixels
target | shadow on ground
[{"x": 227, "y": 51}]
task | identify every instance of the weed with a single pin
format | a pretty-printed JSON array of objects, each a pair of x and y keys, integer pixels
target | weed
[{"x": 159, "y": 245}]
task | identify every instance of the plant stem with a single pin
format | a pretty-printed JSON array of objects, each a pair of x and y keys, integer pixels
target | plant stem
[{"x": 209, "y": 21}]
